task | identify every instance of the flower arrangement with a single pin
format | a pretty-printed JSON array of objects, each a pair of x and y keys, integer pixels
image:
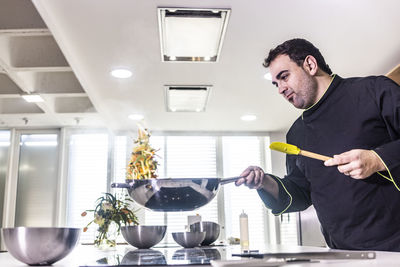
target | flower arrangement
[
  {"x": 110, "y": 212},
  {"x": 143, "y": 163}
]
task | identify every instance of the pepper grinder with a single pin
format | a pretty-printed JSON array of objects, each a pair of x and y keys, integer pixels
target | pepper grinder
[{"x": 244, "y": 231}]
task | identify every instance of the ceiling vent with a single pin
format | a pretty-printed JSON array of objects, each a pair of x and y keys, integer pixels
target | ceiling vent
[
  {"x": 186, "y": 98},
  {"x": 192, "y": 35}
]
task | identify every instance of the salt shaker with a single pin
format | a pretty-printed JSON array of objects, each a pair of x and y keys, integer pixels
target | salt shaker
[{"x": 244, "y": 231}]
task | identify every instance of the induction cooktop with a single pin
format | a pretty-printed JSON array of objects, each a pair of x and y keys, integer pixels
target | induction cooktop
[{"x": 162, "y": 257}]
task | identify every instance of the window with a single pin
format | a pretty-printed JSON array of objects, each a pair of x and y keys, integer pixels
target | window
[
  {"x": 4, "y": 147},
  {"x": 36, "y": 179},
  {"x": 239, "y": 152},
  {"x": 184, "y": 157},
  {"x": 196, "y": 156},
  {"x": 179, "y": 157},
  {"x": 120, "y": 158},
  {"x": 288, "y": 228},
  {"x": 87, "y": 177}
]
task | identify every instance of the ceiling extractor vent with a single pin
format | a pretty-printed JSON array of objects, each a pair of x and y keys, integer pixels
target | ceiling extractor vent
[
  {"x": 192, "y": 35},
  {"x": 186, "y": 98}
]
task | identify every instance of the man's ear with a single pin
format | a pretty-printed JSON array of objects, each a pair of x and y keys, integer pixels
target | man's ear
[{"x": 310, "y": 65}]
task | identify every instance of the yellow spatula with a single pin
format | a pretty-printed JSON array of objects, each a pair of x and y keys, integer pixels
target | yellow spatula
[{"x": 294, "y": 150}]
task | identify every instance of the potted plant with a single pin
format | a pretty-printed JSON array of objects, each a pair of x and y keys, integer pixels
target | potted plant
[{"x": 110, "y": 214}]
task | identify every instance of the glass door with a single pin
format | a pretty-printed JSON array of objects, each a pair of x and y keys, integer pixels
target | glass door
[
  {"x": 4, "y": 150},
  {"x": 4, "y": 146},
  {"x": 37, "y": 182}
]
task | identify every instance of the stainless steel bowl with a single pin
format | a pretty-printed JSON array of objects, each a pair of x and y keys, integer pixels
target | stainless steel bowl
[
  {"x": 40, "y": 245},
  {"x": 211, "y": 229},
  {"x": 143, "y": 236},
  {"x": 189, "y": 239}
]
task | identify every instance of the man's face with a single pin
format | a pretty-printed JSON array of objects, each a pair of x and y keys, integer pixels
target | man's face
[{"x": 293, "y": 82}]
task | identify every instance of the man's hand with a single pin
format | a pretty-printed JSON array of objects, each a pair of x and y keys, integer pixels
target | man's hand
[
  {"x": 255, "y": 178},
  {"x": 357, "y": 163}
]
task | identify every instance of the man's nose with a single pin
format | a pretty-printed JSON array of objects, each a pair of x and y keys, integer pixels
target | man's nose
[{"x": 281, "y": 88}]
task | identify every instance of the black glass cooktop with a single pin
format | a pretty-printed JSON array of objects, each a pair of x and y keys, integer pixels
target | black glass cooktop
[{"x": 161, "y": 257}]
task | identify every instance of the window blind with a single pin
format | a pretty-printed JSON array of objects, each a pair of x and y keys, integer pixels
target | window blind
[
  {"x": 179, "y": 157},
  {"x": 288, "y": 228},
  {"x": 120, "y": 158},
  {"x": 239, "y": 152},
  {"x": 184, "y": 157},
  {"x": 87, "y": 179}
]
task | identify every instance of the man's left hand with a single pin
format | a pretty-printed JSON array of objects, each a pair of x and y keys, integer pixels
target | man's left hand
[{"x": 357, "y": 163}]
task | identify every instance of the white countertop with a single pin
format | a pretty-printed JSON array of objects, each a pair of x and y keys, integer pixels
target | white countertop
[{"x": 86, "y": 255}]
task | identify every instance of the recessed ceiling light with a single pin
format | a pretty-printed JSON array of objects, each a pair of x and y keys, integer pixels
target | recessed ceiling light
[
  {"x": 136, "y": 117},
  {"x": 191, "y": 98},
  {"x": 192, "y": 35},
  {"x": 121, "y": 73},
  {"x": 33, "y": 98},
  {"x": 248, "y": 117},
  {"x": 268, "y": 76}
]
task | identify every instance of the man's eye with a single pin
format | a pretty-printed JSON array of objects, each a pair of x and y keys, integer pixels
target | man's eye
[{"x": 285, "y": 77}]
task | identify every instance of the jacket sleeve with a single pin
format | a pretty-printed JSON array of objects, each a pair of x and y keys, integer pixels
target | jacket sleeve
[
  {"x": 387, "y": 94},
  {"x": 294, "y": 190}
]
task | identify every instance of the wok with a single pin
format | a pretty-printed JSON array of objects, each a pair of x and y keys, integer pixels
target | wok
[{"x": 174, "y": 194}]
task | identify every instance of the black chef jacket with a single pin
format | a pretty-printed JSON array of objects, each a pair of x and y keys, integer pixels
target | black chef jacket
[{"x": 354, "y": 113}]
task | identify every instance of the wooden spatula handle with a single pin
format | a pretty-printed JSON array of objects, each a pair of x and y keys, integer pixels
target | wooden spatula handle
[{"x": 313, "y": 155}]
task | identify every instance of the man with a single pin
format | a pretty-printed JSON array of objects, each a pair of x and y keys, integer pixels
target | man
[{"x": 357, "y": 121}]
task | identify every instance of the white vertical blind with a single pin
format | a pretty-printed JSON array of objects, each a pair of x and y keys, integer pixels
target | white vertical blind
[
  {"x": 288, "y": 228},
  {"x": 239, "y": 152},
  {"x": 120, "y": 158},
  {"x": 184, "y": 157},
  {"x": 87, "y": 178},
  {"x": 179, "y": 157}
]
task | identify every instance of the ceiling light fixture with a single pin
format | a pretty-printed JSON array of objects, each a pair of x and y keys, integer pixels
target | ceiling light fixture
[
  {"x": 136, "y": 117},
  {"x": 268, "y": 76},
  {"x": 192, "y": 35},
  {"x": 248, "y": 117},
  {"x": 181, "y": 98},
  {"x": 121, "y": 73},
  {"x": 32, "y": 98}
]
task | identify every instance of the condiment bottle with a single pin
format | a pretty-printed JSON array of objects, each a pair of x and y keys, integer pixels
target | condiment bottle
[
  {"x": 193, "y": 219},
  {"x": 244, "y": 231}
]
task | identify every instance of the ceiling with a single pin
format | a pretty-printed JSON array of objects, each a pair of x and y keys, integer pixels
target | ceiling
[{"x": 65, "y": 51}]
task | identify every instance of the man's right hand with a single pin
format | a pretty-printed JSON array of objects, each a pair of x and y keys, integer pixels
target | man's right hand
[{"x": 255, "y": 178}]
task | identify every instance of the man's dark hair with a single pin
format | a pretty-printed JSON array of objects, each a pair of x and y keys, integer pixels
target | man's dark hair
[{"x": 297, "y": 50}]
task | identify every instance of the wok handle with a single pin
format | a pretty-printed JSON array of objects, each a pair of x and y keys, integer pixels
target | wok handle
[
  {"x": 229, "y": 180},
  {"x": 120, "y": 185}
]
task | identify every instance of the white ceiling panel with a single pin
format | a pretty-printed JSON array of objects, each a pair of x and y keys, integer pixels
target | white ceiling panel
[{"x": 92, "y": 37}]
